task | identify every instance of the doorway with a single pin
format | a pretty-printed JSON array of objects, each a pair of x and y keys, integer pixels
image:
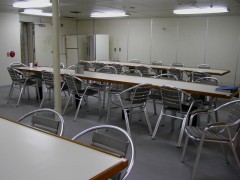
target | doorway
[{"x": 27, "y": 37}]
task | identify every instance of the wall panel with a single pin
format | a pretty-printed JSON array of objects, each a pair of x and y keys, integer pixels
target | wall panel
[
  {"x": 10, "y": 41},
  {"x": 139, "y": 40},
  {"x": 223, "y": 45},
  {"x": 118, "y": 33},
  {"x": 164, "y": 40},
  {"x": 191, "y": 41}
]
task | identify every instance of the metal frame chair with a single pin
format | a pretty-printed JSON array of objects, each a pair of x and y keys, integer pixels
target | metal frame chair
[
  {"x": 105, "y": 86},
  {"x": 172, "y": 101},
  {"x": 49, "y": 82},
  {"x": 155, "y": 95},
  {"x": 120, "y": 68},
  {"x": 208, "y": 102},
  {"x": 138, "y": 98},
  {"x": 224, "y": 132},
  {"x": 73, "y": 67},
  {"x": 135, "y": 61},
  {"x": 88, "y": 66},
  {"x": 21, "y": 81},
  {"x": 132, "y": 72},
  {"x": 17, "y": 64},
  {"x": 176, "y": 72},
  {"x": 177, "y": 64},
  {"x": 146, "y": 71},
  {"x": 204, "y": 66},
  {"x": 160, "y": 63},
  {"x": 194, "y": 76},
  {"x": 43, "y": 122},
  {"x": 98, "y": 65},
  {"x": 107, "y": 142},
  {"x": 80, "y": 91}
]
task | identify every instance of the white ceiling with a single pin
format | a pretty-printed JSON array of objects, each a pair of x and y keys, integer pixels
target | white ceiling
[{"x": 81, "y": 9}]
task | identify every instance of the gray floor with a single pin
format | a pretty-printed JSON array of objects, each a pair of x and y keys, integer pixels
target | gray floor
[{"x": 155, "y": 159}]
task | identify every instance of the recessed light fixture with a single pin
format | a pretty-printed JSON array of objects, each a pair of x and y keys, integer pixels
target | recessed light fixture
[
  {"x": 108, "y": 14},
  {"x": 32, "y": 4},
  {"x": 201, "y": 10},
  {"x": 36, "y": 12}
]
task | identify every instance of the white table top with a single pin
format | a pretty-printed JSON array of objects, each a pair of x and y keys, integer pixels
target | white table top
[
  {"x": 194, "y": 88},
  {"x": 219, "y": 72},
  {"x": 29, "y": 154}
]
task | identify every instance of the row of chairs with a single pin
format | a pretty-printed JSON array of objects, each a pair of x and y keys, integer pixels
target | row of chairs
[
  {"x": 139, "y": 95},
  {"x": 174, "y": 64},
  {"x": 108, "y": 138}
]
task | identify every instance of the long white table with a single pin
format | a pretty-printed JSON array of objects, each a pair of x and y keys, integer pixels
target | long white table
[
  {"x": 219, "y": 72},
  {"x": 30, "y": 154},
  {"x": 194, "y": 88}
]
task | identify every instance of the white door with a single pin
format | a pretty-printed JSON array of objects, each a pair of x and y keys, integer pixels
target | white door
[{"x": 43, "y": 44}]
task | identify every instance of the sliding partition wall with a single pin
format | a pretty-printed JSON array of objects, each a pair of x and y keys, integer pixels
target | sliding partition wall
[{"x": 192, "y": 40}]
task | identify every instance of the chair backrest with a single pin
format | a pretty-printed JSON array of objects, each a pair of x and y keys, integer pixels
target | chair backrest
[
  {"x": 45, "y": 119},
  {"x": 176, "y": 72},
  {"x": 203, "y": 66},
  {"x": 17, "y": 64},
  {"x": 177, "y": 64},
  {"x": 73, "y": 67},
  {"x": 208, "y": 80},
  {"x": 197, "y": 75},
  {"x": 16, "y": 75},
  {"x": 139, "y": 93},
  {"x": 160, "y": 63},
  {"x": 132, "y": 72},
  {"x": 87, "y": 65},
  {"x": 114, "y": 60},
  {"x": 74, "y": 83},
  {"x": 135, "y": 61},
  {"x": 48, "y": 79},
  {"x": 231, "y": 126},
  {"x": 167, "y": 76},
  {"x": 108, "y": 69},
  {"x": 112, "y": 142},
  {"x": 146, "y": 71},
  {"x": 172, "y": 97},
  {"x": 98, "y": 65},
  {"x": 120, "y": 69}
]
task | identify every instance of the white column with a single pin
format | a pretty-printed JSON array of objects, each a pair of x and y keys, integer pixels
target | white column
[{"x": 56, "y": 57}]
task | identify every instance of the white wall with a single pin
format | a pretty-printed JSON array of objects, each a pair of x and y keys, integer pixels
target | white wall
[
  {"x": 43, "y": 37},
  {"x": 214, "y": 40},
  {"x": 9, "y": 41}
]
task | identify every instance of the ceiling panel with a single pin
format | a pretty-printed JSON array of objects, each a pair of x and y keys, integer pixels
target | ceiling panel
[{"x": 82, "y": 9}]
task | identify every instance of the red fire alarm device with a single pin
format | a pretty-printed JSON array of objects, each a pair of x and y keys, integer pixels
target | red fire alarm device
[{"x": 12, "y": 53}]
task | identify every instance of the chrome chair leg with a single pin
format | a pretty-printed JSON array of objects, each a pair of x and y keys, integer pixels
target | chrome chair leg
[
  {"x": 197, "y": 159},
  {"x": 10, "y": 93},
  {"x": 20, "y": 95},
  {"x": 148, "y": 121},
  {"x": 184, "y": 121},
  {"x": 109, "y": 108},
  {"x": 79, "y": 105},
  {"x": 127, "y": 121},
  {"x": 65, "y": 108},
  {"x": 45, "y": 94},
  {"x": 157, "y": 124}
]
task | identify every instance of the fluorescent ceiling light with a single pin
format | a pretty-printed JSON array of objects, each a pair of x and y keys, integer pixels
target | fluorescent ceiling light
[
  {"x": 108, "y": 14},
  {"x": 32, "y": 4},
  {"x": 37, "y": 12},
  {"x": 201, "y": 11}
]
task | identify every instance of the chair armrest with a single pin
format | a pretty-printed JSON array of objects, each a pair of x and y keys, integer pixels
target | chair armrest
[
  {"x": 215, "y": 125},
  {"x": 198, "y": 112}
]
